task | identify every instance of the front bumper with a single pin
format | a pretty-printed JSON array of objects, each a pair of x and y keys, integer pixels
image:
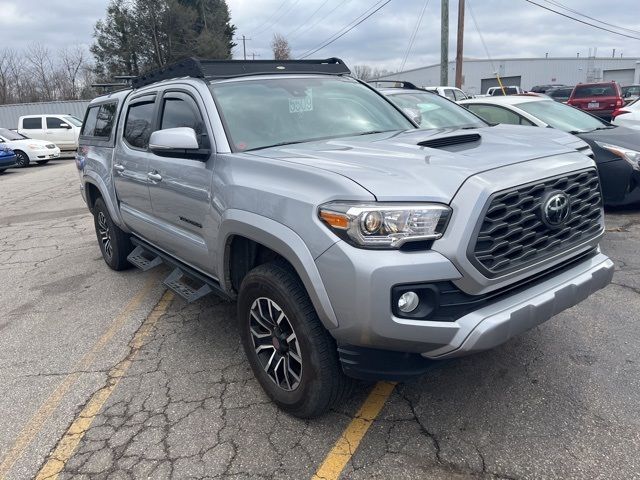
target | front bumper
[{"x": 360, "y": 294}]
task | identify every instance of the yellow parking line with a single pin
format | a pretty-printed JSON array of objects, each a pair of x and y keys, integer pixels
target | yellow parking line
[
  {"x": 69, "y": 442},
  {"x": 350, "y": 439},
  {"x": 28, "y": 433}
]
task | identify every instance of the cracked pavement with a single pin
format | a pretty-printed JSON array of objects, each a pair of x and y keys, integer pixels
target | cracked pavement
[{"x": 559, "y": 402}]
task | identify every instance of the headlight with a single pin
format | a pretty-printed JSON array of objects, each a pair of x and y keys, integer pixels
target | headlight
[
  {"x": 631, "y": 156},
  {"x": 385, "y": 225}
]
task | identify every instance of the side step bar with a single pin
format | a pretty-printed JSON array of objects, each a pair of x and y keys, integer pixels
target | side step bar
[{"x": 186, "y": 282}]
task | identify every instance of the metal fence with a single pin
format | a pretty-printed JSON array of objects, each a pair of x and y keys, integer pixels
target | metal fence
[{"x": 9, "y": 114}]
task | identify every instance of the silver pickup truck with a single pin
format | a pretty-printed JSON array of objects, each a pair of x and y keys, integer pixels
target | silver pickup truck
[{"x": 355, "y": 244}]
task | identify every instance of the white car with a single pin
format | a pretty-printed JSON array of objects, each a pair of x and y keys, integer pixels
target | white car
[
  {"x": 63, "y": 130},
  {"x": 27, "y": 149},
  {"x": 628, "y": 116},
  {"x": 508, "y": 89},
  {"x": 451, "y": 93}
]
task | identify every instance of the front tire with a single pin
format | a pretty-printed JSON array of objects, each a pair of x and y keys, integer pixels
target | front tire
[
  {"x": 22, "y": 159},
  {"x": 42, "y": 162},
  {"x": 115, "y": 244},
  {"x": 292, "y": 355}
]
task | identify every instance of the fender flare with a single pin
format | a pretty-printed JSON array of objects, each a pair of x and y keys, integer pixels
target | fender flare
[
  {"x": 284, "y": 241},
  {"x": 109, "y": 199}
]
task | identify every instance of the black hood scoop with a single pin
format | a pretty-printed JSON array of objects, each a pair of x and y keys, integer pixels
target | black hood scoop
[{"x": 442, "y": 142}]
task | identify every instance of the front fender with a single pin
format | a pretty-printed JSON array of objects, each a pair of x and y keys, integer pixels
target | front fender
[{"x": 287, "y": 243}]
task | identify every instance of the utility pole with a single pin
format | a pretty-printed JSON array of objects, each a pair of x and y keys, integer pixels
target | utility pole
[
  {"x": 444, "y": 43},
  {"x": 244, "y": 46},
  {"x": 460, "y": 44}
]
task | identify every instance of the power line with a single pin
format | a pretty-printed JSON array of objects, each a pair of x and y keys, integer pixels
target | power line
[
  {"x": 305, "y": 21},
  {"x": 473, "y": 17},
  {"x": 319, "y": 20},
  {"x": 582, "y": 21},
  {"x": 413, "y": 36},
  {"x": 558, "y": 4},
  {"x": 272, "y": 16},
  {"x": 284, "y": 12},
  {"x": 337, "y": 36}
]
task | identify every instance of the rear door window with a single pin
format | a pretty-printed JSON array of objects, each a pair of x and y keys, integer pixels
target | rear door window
[
  {"x": 90, "y": 122},
  {"x": 139, "y": 124},
  {"x": 105, "y": 119},
  {"x": 32, "y": 123},
  {"x": 449, "y": 94},
  {"x": 494, "y": 114}
]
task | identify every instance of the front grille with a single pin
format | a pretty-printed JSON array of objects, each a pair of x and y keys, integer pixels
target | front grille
[{"x": 513, "y": 234}]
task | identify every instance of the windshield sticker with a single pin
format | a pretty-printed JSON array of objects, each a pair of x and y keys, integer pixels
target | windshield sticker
[{"x": 304, "y": 104}]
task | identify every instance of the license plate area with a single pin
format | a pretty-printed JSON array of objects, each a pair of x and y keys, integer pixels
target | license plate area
[{"x": 593, "y": 105}]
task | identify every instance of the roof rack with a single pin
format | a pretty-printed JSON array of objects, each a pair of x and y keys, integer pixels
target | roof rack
[
  {"x": 218, "y": 69},
  {"x": 398, "y": 84}
]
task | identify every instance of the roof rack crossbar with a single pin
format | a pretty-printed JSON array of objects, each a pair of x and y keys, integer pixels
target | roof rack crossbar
[{"x": 220, "y": 69}]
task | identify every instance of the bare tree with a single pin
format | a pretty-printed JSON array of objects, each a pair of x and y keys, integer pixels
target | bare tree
[
  {"x": 41, "y": 68},
  {"x": 280, "y": 47},
  {"x": 363, "y": 72},
  {"x": 72, "y": 62}
]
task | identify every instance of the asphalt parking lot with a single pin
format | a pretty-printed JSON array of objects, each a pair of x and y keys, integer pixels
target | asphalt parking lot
[{"x": 106, "y": 375}]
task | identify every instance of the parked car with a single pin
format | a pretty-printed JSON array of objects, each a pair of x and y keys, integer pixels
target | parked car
[
  {"x": 560, "y": 94},
  {"x": 505, "y": 90},
  {"x": 431, "y": 111},
  {"x": 7, "y": 157},
  {"x": 28, "y": 149},
  {"x": 627, "y": 116},
  {"x": 616, "y": 149},
  {"x": 599, "y": 99},
  {"x": 545, "y": 88},
  {"x": 452, "y": 93},
  {"x": 62, "y": 130},
  {"x": 354, "y": 243},
  {"x": 630, "y": 93}
]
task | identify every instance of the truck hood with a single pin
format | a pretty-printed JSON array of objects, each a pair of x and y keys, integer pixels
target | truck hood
[{"x": 394, "y": 166}]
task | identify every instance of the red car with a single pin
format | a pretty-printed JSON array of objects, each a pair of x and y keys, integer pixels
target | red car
[{"x": 599, "y": 99}]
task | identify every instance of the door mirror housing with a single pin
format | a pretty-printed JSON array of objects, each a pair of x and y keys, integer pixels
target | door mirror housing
[
  {"x": 65, "y": 126},
  {"x": 177, "y": 142}
]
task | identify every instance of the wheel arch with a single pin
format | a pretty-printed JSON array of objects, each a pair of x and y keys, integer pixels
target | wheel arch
[
  {"x": 94, "y": 187},
  {"x": 270, "y": 238}
]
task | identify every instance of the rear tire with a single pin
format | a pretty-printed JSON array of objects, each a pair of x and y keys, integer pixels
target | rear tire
[
  {"x": 292, "y": 355},
  {"x": 42, "y": 162},
  {"x": 115, "y": 244},
  {"x": 22, "y": 159}
]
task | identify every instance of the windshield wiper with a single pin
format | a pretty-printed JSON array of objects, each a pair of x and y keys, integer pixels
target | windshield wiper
[
  {"x": 280, "y": 144},
  {"x": 371, "y": 132}
]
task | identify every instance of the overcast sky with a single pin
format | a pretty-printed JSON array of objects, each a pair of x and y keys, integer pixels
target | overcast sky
[{"x": 511, "y": 28}]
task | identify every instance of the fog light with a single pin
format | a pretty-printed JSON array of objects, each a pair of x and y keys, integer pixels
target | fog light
[{"x": 408, "y": 302}]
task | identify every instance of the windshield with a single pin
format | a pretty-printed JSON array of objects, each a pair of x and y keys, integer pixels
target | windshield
[
  {"x": 561, "y": 116},
  {"x": 436, "y": 112},
  {"x": 266, "y": 112},
  {"x": 10, "y": 135},
  {"x": 75, "y": 121}
]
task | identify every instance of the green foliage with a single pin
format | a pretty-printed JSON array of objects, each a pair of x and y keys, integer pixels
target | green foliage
[{"x": 139, "y": 35}]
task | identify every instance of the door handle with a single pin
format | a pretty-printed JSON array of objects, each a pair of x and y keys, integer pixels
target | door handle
[
  {"x": 155, "y": 176},
  {"x": 118, "y": 168}
]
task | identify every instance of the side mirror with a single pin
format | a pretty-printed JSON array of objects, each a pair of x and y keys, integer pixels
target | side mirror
[
  {"x": 65, "y": 125},
  {"x": 414, "y": 114},
  {"x": 176, "y": 142}
]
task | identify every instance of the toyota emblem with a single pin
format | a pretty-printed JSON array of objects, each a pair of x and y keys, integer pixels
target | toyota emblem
[{"x": 556, "y": 209}]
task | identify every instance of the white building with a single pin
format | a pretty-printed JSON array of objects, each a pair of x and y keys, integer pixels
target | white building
[{"x": 479, "y": 75}]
